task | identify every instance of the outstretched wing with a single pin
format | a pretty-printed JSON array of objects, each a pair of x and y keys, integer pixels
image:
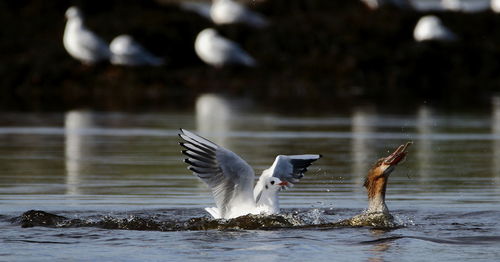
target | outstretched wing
[
  {"x": 287, "y": 168},
  {"x": 229, "y": 176},
  {"x": 292, "y": 168}
]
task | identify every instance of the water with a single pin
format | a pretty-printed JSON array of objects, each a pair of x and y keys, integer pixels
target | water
[{"x": 121, "y": 168}]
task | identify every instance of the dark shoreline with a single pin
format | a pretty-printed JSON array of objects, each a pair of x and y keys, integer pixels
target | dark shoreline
[{"x": 317, "y": 56}]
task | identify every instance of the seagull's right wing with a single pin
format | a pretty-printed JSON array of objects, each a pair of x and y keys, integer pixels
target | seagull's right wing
[{"x": 229, "y": 176}]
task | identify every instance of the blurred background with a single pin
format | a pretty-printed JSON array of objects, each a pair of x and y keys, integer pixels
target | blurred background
[{"x": 313, "y": 56}]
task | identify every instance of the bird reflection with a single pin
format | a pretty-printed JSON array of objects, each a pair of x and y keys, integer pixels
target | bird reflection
[
  {"x": 425, "y": 123},
  {"x": 495, "y": 129},
  {"x": 76, "y": 148},
  {"x": 361, "y": 150},
  {"x": 214, "y": 117},
  {"x": 379, "y": 248}
]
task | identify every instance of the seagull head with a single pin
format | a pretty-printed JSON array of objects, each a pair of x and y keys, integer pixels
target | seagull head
[
  {"x": 73, "y": 12},
  {"x": 275, "y": 184}
]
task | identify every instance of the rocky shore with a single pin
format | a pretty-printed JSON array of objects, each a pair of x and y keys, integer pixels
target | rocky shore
[{"x": 316, "y": 55}]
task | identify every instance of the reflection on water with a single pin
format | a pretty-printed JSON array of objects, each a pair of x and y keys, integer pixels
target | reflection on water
[
  {"x": 495, "y": 129},
  {"x": 423, "y": 145},
  {"x": 126, "y": 170},
  {"x": 363, "y": 125},
  {"x": 77, "y": 148},
  {"x": 214, "y": 115},
  {"x": 378, "y": 250}
]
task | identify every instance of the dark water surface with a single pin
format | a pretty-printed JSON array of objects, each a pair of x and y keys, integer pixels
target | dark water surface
[{"x": 124, "y": 169}]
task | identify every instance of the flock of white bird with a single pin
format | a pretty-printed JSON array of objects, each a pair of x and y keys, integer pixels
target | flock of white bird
[
  {"x": 214, "y": 49},
  {"x": 430, "y": 27},
  {"x": 85, "y": 46}
]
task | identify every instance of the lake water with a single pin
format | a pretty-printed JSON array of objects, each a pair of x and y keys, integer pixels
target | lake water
[{"x": 96, "y": 166}]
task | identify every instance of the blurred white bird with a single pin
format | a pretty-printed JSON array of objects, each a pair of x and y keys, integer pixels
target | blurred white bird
[
  {"x": 218, "y": 51},
  {"x": 430, "y": 27},
  {"x": 81, "y": 43},
  {"x": 126, "y": 51},
  {"x": 232, "y": 179},
  {"x": 375, "y": 4},
  {"x": 230, "y": 12},
  {"x": 495, "y": 6},
  {"x": 452, "y": 5},
  {"x": 222, "y": 12}
]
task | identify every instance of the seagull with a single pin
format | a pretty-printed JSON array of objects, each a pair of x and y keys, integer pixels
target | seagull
[
  {"x": 126, "y": 51},
  {"x": 495, "y": 6},
  {"x": 218, "y": 51},
  {"x": 452, "y": 5},
  {"x": 231, "y": 179},
  {"x": 430, "y": 27},
  {"x": 81, "y": 43},
  {"x": 375, "y": 4},
  {"x": 222, "y": 12},
  {"x": 230, "y": 12}
]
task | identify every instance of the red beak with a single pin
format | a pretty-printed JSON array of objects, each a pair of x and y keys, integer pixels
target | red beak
[{"x": 283, "y": 183}]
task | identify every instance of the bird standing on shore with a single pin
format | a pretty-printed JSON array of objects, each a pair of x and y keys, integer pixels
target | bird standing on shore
[
  {"x": 231, "y": 12},
  {"x": 430, "y": 28},
  {"x": 81, "y": 43},
  {"x": 222, "y": 12},
  {"x": 126, "y": 51},
  {"x": 218, "y": 51},
  {"x": 375, "y": 4},
  {"x": 495, "y": 6}
]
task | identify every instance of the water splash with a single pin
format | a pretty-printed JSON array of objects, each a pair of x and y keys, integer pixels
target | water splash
[{"x": 313, "y": 218}]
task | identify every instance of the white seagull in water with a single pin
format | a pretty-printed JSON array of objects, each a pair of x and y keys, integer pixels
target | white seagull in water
[
  {"x": 430, "y": 27},
  {"x": 218, "y": 51},
  {"x": 126, "y": 51},
  {"x": 81, "y": 43},
  {"x": 232, "y": 179}
]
